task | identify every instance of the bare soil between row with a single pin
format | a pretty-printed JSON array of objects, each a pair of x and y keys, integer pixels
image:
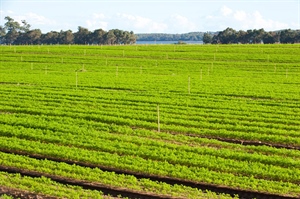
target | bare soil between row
[
  {"x": 243, "y": 142},
  {"x": 16, "y": 193},
  {"x": 116, "y": 191}
]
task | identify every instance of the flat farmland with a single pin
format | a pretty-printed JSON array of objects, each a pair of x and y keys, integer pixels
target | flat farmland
[{"x": 150, "y": 121}]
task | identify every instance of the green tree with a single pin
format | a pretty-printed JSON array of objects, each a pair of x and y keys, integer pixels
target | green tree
[
  {"x": 98, "y": 36},
  {"x": 66, "y": 37},
  {"x": 2, "y": 34},
  {"x": 207, "y": 38},
  {"x": 242, "y": 37},
  {"x": 82, "y": 36},
  {"x": 52, "y": 37},
  {"x": 288, "y": 36},
  {"x": 25, "y": 27},
  {"x": 132, "y": 38},
  {"x": 110, "y": 37},
  {"x": 12, "y": 28},
  {"x": 227, "y": 36},
  {"x": 269, "y": 38}
]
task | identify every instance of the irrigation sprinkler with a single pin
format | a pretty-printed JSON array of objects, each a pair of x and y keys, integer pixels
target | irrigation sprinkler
[
  {"x": 62, "y": 60},
  {"x": 117, "y": 69},
  {"x": 158, "y": 119},
  {"x": 201, "y": 74},
  {"x": 189, "y": 85},
  {"x": 275, "y": 68},
  {"x": 21, "y": 58},
  {"x": 84, "y": 52},
  {"x": 76, "y": 79},
  {"x": 141, "y": 69}
]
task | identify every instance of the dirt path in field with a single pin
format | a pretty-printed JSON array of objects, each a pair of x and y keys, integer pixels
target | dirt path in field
[{"x": 115, "y": 191}]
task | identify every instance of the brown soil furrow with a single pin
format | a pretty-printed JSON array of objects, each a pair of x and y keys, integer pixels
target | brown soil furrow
[
  {"x": 106, "y": 190},
  {"x": 244, "y": 194},
  {"x": 242, "y": 142},
  {"x": 16, "y": 193}
]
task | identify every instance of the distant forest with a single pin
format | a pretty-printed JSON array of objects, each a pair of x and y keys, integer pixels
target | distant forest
[
  {"x": 192, "y": 36},
  {"x": 229, "y": 36},
  {"x": 15, "y": 33},
  {"x": 256, "y": 36}
]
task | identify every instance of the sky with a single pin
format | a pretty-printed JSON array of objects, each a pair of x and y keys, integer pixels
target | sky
[{"x": 154, "y": 16}]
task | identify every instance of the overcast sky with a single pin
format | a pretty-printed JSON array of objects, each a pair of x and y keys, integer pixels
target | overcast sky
[{"x": 154, "y": 16}]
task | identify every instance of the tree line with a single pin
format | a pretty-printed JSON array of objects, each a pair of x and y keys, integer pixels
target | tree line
[
  {"x": 191, "y": 36},
  {"x": 256, "y": 36},
  {"x": 15, "y": 33}
]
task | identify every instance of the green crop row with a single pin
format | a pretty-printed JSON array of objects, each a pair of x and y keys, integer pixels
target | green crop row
[
  {"x": 96, "y": 176},
  {"x": 46, "y": 186},
  {"x": 138, "y": 164},
  {"x": 158, "y": 110},
  {"x": 37, "y": 128}
]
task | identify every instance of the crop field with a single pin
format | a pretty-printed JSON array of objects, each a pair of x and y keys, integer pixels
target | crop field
[{"x": 150, "y": 121}]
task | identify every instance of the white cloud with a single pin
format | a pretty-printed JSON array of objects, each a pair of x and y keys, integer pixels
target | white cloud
[
  {"x": 140, "y": 24},
  {"x": 226, "y": 11},
  {"x": 256, "y": 20},
  {"x": 97, "y": 21},
  {"x": 34, "y": 19},
  {"x": 240, "y": 15},
  {"x": 38, "y": 19},
  {"x": 242, "y": 20},
  {"x": 182, "y": 24}
]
